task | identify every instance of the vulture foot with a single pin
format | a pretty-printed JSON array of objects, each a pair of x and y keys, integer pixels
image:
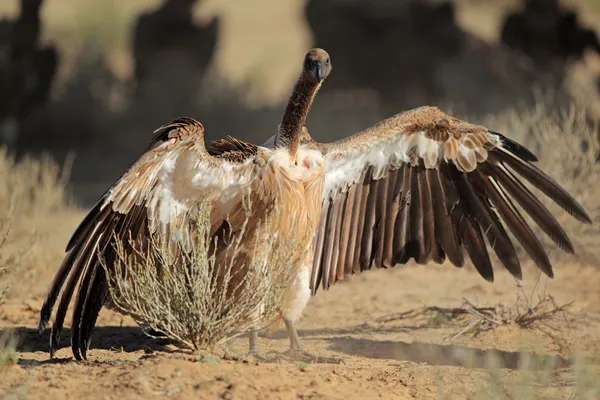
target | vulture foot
[
  {"x": 305, "y": 356},
  {"x": 293, "y": 355}
]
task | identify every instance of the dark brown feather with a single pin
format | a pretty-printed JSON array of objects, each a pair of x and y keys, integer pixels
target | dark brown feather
[
  {"x": 87, "y": 224},
  {"x": 430, "y": 245},
  {"x": 91, "y": 265},
  {"x": 333, "y": 267},
  {"x": 395, "y": 180},
  {"x": 232, "y": 149},
  {"x": 401, "y": 225},
  {"x": 445, "y": 233},
  {"x": 352, "y": 239},
  {"x": 317, "y": 270},
  {"x": 380, "y": 220},
  {"x": 126, "y": 231},
  {"x": 516, "y": 148},
  {"x": 416, "y": 243},
  {"x": 472, "y": 239},
  {"x": 361, "y": 222},
  {"x": 83, "y": 230},
  {"x": 347, "y": 227},
  {"x": 515, "y": 222},
  {"x": 532, "y": 206},
  {"x": 329, "y": 239},
  {"x": 85, "y": 252},
  {"x": 543, "y": 182},
  {"x": 367, "y": 233},
  {"x": 493, "y": 230}
]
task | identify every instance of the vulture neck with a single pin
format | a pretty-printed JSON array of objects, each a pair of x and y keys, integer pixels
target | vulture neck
[{"x": 290, "y": 129}]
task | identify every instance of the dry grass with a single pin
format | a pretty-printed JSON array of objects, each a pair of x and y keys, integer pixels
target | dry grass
[
  {"x": 3, "y": 267},
  {"x": 8, "y": 349},
  {"x": 194, "y": 300},
  {"x": 8, "y": 355},
  {"x": 567, "y": 147},
  {"x": 31, "y": 186},
  {"x": 31, "y": 190}
]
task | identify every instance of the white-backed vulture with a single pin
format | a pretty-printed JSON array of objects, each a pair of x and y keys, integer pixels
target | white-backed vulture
[{"x": 419, "y": 185}]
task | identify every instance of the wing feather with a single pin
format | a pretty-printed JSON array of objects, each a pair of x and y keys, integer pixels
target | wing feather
[
  {"x": 355, "y": 217},
  {"x": 416, "y": 241},
  {"x": 543, "y": 182},
  {"x": 380, "y": 219},
  {"x": 472, "y": 239},
  {"x": 156, "y": 195},
  {"x": 317, "y": 270},
  {"x": 366, "y": 244},
  {"x": 392, "y": 212},
  {"x": 329, "y": 241},
  {"x": 445, "y": 232},
  {"x": 365, "y": 188},
  {"x": 401, "y": 227},
  {"x": 493, "y": 230},
  {"x": 532, "y": 206},
  {"x": 428, "y": 186},
  {"x": 346, "y": 229}
]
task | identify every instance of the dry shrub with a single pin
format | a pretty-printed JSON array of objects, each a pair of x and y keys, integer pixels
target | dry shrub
[
  {"x": 186, "y": 302},
  {"x": 567, "y": 147}
]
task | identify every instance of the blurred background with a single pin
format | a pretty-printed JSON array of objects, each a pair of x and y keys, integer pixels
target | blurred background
[{"x": 95, "y": 79}]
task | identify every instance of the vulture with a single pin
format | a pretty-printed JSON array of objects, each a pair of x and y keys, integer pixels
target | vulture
[{"x": 420, "y": 185}]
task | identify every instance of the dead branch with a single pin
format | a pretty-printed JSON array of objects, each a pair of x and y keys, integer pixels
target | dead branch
[{"x": 480, "y": 319}]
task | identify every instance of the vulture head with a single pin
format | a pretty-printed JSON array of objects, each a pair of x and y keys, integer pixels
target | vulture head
[{"x": 317, "y": 65}]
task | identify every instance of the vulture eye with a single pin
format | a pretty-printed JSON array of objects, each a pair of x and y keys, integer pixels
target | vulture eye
[{"x": 327, "y": 61}]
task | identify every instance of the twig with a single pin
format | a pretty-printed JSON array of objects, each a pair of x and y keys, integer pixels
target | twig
[{"x": 487, "y": 318}]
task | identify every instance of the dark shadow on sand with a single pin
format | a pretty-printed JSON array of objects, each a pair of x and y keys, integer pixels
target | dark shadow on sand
[
  {"x": 118, "y": 338},
  {"x": 436, "y": 354},
  {"x": 343, "y": 340},
  {"x": 131, "y": 339}
]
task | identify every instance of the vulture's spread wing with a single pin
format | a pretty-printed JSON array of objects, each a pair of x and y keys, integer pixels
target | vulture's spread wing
[
  {"x": 156, "y": 195},
  {"x": 427, "y": 186}
]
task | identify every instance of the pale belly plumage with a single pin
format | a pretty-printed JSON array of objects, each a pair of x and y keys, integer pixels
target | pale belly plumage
[
  {"x": 303, "y": 201},
  {"x": 285, "y": 205}
]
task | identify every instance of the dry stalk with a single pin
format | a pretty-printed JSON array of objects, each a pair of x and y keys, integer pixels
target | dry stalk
[{"x": 4, "y": 269}]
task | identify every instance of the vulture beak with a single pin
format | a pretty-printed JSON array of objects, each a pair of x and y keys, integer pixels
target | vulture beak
[{"x": 318, "y": 70}]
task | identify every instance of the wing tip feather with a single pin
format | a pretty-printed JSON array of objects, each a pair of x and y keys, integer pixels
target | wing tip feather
[{"x": 517, "y": 148}]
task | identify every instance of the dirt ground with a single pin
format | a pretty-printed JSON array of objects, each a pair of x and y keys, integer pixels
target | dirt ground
[{"x": 385, "y": 357}]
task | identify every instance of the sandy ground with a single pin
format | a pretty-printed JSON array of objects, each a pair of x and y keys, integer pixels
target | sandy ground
[{"x": 385, "y": 357}]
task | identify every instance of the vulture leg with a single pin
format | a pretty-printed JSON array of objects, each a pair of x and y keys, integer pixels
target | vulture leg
[
  {"x": 253, "y": 353},
  {"x": 253, "y": 343},
  {"x": 296, "y": 353},
  {"x": 298, "y": 296}
]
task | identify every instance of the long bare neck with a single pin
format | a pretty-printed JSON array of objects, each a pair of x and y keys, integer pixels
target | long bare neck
[{"x": 295, "y": 114}]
